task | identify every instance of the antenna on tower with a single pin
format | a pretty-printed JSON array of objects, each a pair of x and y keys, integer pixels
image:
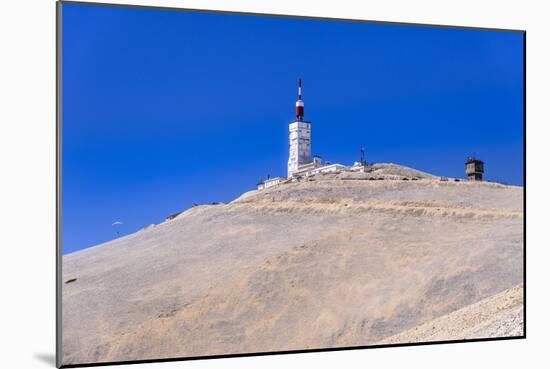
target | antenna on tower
[{"x": 299, "y": 102}]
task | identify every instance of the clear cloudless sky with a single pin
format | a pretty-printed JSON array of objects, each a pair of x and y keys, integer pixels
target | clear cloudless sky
[{"x": 163, "y": 109}]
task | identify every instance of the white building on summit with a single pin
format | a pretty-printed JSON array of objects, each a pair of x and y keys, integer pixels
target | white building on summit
[
  {"x": 302, "y": 166},
  {"x": 300, "y": 161},
  {"x": 299, "y": 138}
]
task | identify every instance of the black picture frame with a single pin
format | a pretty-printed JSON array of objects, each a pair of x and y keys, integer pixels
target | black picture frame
[{"x": 59, "y": 123}]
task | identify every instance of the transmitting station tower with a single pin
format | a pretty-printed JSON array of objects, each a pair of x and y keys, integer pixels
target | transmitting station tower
[{"x": 299, "y": 137}]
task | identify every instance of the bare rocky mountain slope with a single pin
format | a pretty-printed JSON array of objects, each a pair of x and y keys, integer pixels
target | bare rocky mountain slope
[
  {"x": 347, "y": 259},
  {"x": 500, "y": 315}
]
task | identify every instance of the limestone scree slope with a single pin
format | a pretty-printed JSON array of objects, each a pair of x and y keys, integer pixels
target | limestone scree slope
[{"x": 334, "y": 261}]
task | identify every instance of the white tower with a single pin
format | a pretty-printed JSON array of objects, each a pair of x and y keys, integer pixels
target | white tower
[{"x": 299, "y": 136}]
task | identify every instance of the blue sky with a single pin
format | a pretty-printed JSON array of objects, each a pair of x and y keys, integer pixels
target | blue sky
[{"x": 163, "y": 109}]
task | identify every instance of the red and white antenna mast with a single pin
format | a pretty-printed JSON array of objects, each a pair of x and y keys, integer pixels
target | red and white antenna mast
[{"x": 299, "y": 102}]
